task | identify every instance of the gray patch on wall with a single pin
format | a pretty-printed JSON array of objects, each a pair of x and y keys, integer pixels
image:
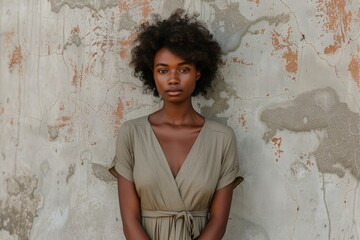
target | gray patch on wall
[
  {"x": 101, "y": 172},
  {"x": 71, "y": 172},
  {"x": 220, "y": 100},
  {"x": 18, "y": 210},
  {"x": 230, "y": 25},
  {"x": 321, "y": 109},
  {"x": 95, "y": 5}
]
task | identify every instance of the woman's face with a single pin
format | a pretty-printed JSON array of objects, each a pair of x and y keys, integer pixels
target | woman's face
[{"x": 175, "y": 78}]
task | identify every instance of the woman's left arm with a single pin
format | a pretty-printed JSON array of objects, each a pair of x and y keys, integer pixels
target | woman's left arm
[{"x": 219, "y": 214}]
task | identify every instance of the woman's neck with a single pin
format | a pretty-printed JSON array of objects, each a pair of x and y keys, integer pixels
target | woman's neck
[{"x": 178, "y": 114}]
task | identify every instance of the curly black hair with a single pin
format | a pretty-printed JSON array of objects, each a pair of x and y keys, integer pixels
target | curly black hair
[{"x": 183, "y": 35}]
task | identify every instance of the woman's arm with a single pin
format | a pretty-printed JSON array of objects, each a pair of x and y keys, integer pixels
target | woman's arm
[
  {"x": 130, "y": 210},
  {"x": 219, "y": 214}
]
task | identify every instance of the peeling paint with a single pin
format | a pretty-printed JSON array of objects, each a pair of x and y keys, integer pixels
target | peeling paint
[
  {"x": 125, "y": 45},
  {"x": 338, "y": 22},
  {"x": 299, "y": 170},
  {"x": 220, "y": 101},
  {"x": 118, "y": 114},
  {"x": 101, "y": 172},
  {"x": 291, "y": 55},
  {"x": 19, "y": 209},
  {"x": 78, "y": 76},
  {"x": 95, "y": 5},
  {"x": 15, "y": 58},
  {"x": 354, "y": 69},
  {"x": 230, "y": 25},
  {"x": 321, "y": 109},
  {"x": 65, "y": 70},
  {"x": 277, "y": 141}
]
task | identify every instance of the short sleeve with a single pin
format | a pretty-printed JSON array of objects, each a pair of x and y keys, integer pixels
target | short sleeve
[
  {"x": 124, "y": 161},
  {"x": 230, "y": 164}
]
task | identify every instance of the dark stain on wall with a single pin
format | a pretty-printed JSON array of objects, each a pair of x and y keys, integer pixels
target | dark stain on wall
[
  {"x": 101, "y": 172},
  {"x": 18, "y": 210},
  {"x": 70, "y": 173},
  {"x": 321, "y": 109}
]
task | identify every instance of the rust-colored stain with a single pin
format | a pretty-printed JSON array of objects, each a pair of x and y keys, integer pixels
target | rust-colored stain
[
  {"x": 353, "y": 68},
  {"x": 125, "y": 6},
  {"x": 243, "y": 120},
  {"x": 118, "y": 114},
  {"x": 78, "y": 76},
  {"x": 75, "y": 30},
  {"x": 8, "y": 38},
  {"x": 309, "y": 163},
  {"x": 291, "y": 55},
  {"x": 255, "y": 1},
  {"x": 338, "y": 22},
  {"x": 15, "y": 58},
  {"x": 145, "y": 8},
  {"x": 277, "y": 145},
  {"x": 63, "y": 122},
  {"x": 125, "y": 45}
]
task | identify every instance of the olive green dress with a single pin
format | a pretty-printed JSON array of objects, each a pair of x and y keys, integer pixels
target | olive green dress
[{"x": 176, "y": 208}]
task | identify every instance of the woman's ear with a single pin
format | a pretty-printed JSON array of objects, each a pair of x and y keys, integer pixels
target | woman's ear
[{"x": 198, "y": 75}]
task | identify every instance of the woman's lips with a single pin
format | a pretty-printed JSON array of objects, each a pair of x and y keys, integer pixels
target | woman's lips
[{"x": 173, "y": 92}]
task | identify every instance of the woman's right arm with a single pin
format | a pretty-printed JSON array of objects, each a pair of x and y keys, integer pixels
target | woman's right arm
[{"x": 130, "y": 210}]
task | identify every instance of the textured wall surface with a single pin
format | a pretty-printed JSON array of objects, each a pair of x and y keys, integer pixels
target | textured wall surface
[{"x": 290, "y": 88}]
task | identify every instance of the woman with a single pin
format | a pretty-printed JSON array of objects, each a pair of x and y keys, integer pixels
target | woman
[{"x": 176, "y": 169}]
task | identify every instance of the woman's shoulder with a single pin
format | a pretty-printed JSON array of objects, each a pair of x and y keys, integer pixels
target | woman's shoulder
[
  {"x": 216, "y": 126},
  {"x": 139, "y": 121}
]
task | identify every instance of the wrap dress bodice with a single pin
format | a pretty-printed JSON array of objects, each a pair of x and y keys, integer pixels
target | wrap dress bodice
[{"x": 176, "y": 208}]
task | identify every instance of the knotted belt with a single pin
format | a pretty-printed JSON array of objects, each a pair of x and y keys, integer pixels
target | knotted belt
[{"x": 187, "y": 216}]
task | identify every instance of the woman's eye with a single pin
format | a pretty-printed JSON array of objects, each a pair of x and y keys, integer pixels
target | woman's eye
[
  {"x": 184, "y": 70},
  {"x": 162, "y": 71}
]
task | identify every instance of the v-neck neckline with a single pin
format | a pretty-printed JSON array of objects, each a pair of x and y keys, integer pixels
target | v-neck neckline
[{"x": 163, "y": 156}]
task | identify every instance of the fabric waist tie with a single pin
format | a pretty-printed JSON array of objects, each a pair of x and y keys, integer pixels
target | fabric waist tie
[{"x": 187, "y": 216}]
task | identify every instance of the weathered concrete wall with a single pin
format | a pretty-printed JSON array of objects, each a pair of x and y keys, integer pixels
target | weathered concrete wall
[{"x": 290, "y": 89}]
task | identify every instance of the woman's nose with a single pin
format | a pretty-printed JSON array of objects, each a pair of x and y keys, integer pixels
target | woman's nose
[{"x": 173, "y": 78}]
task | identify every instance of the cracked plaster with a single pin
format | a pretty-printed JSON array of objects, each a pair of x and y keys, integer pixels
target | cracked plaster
[{"x": 66, "y": 88}]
